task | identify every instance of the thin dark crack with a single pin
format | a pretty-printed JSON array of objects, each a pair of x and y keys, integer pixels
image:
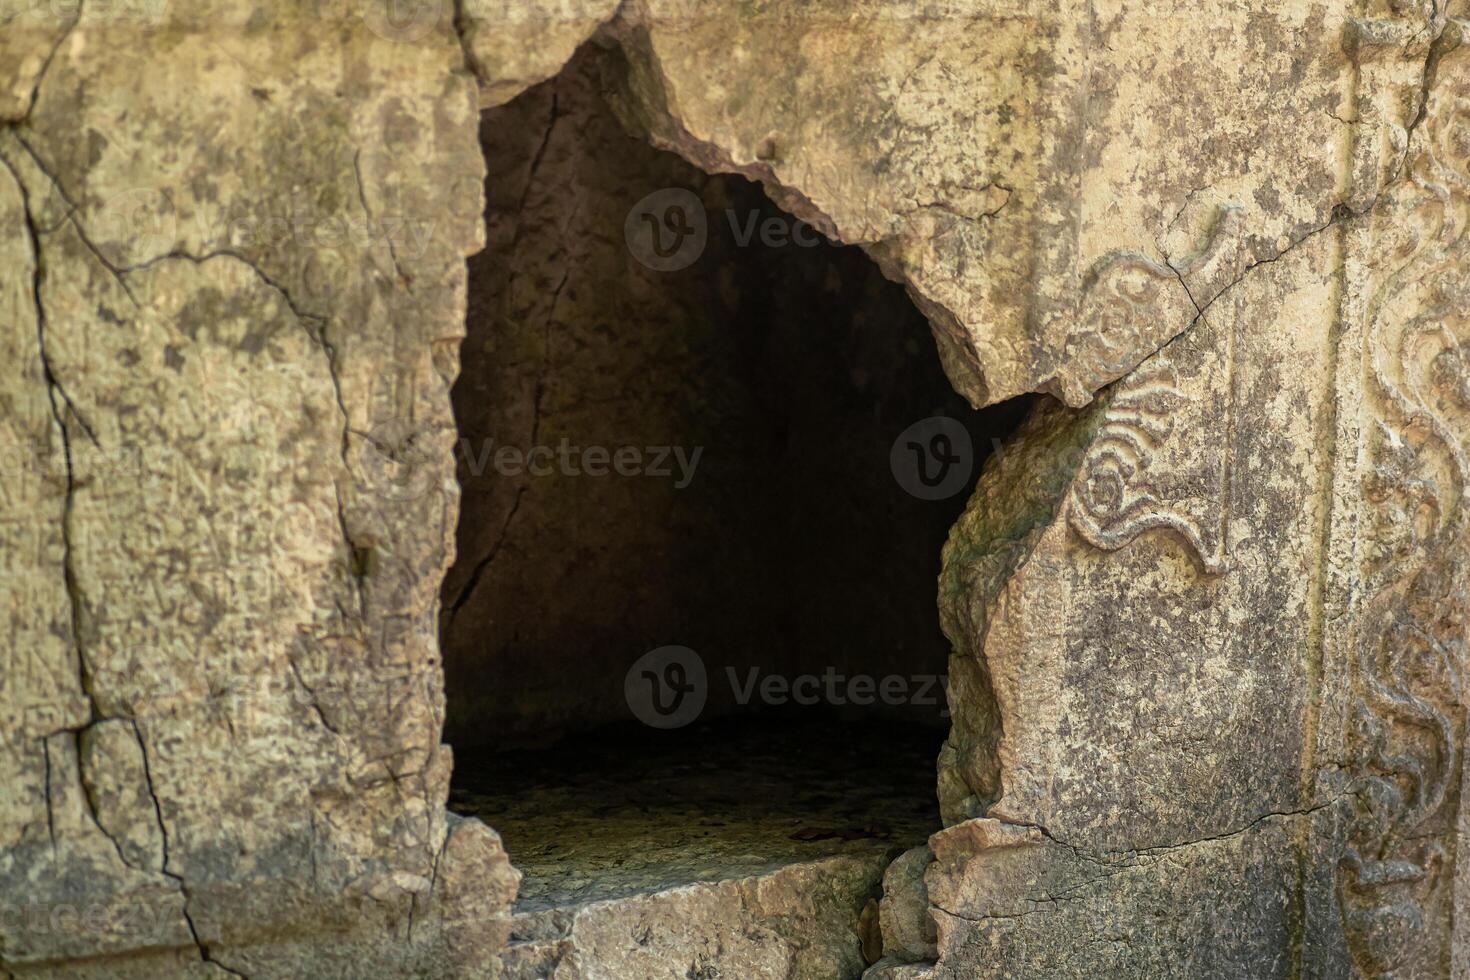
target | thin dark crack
[
  {"x": 367, "y": 212},
  {"x": 55, "y": 390},
  {"x": 38, "y": 275},
  {"x": 991, "y": 916},
  {"x": 1439, "y": 45},
  {"x": 540, "y": 389},
  {"x": 1103, "y": 856},
  {"x": 311, "y": 693},
  {"x": 315, "y": 324},
  {"x": 46, "y": 65},
  {"x": 540, "y": 153},
  {"x": 90, "y": 798},
  {"x": 71, "y": 217},
  {"x": 433, "y": 881},
  {"x": 157, "y": 806},
  {"x": 1182, "y": 207},
  {"x": 1199, "y": 314},
  {"x": 358, "y": 556},
  {"x": 50, "y": 803},
  {"x": 479, "y": 570},
  {"x": 1269, "y": 815},
  {"x": 1340, "y": 213},
  {"x": 536, "y": 158},
  {"x": 1442, "y": 43},
  {"x": 167, "y": 869},
  {"x": 950, "y": 209}
]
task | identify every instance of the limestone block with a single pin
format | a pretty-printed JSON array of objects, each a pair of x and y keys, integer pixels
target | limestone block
[
  {"x": 235, "y": 246},
  {"x": 799, "y": 921},
  {"x": 908, "y": 928},
  {"x": 1209, "y": 633},
  {"x": 1062, "y": 190},
  {"x": 513, "y": 44}
]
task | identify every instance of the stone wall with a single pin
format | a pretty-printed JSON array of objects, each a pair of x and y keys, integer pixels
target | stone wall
[
  {"x": 235, "y": 264},
  {"x": 1209, "y": 626}
]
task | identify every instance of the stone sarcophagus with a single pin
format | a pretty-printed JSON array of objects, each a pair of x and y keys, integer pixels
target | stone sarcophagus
[{"x": 1207, "y": 605}]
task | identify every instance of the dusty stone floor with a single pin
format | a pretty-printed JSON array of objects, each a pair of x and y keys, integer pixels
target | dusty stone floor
[{"x": 619, "y": 812}]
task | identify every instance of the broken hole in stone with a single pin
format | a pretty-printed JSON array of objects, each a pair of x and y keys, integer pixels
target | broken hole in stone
[{"x": 680, "y": 414}]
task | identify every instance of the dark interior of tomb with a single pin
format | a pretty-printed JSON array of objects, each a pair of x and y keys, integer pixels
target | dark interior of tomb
[{"x": 787, "y": 547}]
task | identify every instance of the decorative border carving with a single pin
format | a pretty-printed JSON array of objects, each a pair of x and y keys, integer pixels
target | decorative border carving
[
  {"x": 1408, "y": 661},
  {"x": 1114, "y": 501},
  {"x": 1130, "y": 309}
]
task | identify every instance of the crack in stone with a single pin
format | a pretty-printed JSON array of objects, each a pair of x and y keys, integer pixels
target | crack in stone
[
  {"x": 359, "y": 557},
  {"x": 471, "y": 63},
  {"x": 204, "y": 952},
  {"x": 1340, "y": 212},
  {"x": 1442, "y": 43},
  {"x": 315, "y": 325},
  {"x": 1183, "y": 207},
  {"x": 433, "y": 881},
  {"x": 1105, "y": 856},
  {"x": 50, "y": 804},
  {"x": 311, "y": 693},
  {"x": 318, "y": 334},
  {"x": 1439, "y": 45},
  {"x": 89, "y": 795},
  {"x": 46, "y": 65},
  {"x": 476, "y": 573},
  {"x": 474, "y": 578},
  {"x": 54, "y": 388},
  {"x": 403, "y": 277},
  {"x": 950, "y": 209},
  {"x": 71, "y": 217},
  {"x": 977, "y": 919}
]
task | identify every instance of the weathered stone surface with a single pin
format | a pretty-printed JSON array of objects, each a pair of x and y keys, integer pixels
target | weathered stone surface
[
  {"x": 800, "y": 921},
  {"x": 29, "y": 36},
  {"x": 1050, "y": 184},
  {"x": 221, "y": 680},
  {"x": 513, "y": 45},
  {"x": 908, "y": 928},
  {"x": 1215, "y": 611},
  {"x": 1209, "y": 629}
]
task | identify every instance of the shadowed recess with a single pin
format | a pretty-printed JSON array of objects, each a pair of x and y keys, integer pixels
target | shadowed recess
[{"x": 688, "y": 419}]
